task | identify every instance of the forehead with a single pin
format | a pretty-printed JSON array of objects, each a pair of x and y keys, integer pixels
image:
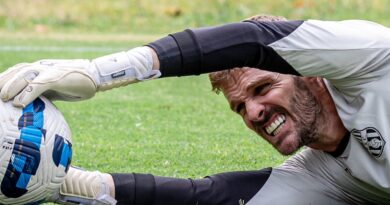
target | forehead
[{"x": 239, "y": 80}]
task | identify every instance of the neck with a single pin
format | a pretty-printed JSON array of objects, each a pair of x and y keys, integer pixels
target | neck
[
  {"x": 329, "y": 143},
  {"x": 330, "y": 130}
]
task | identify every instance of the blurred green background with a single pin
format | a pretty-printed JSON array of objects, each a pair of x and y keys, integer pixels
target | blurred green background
[
  {"x": 172, "y": 127},
  {"x": 164, "y": 16}
]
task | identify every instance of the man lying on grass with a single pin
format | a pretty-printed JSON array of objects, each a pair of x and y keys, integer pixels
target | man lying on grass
[
  {"x": 287, "y": 111},
  {"x": 343, "y": 117}
]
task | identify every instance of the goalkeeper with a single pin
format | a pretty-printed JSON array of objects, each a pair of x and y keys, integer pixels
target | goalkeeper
[
  {"x": 341, "y": 166},
  {"x": 288, "y": 112}
]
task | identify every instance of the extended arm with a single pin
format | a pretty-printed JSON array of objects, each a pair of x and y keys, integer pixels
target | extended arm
[
  {"x": 185, "y": 53},
  {"x": 358, "y": 50},
  {"x": 231, "y": 188}
]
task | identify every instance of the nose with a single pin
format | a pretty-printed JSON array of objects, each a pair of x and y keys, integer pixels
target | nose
[{"x": 254, "y": 111}]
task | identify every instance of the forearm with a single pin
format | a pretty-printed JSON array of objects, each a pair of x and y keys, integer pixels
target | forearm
[
  {"x": 220, "y": 189},
  {"x": 209, "y": 49}
]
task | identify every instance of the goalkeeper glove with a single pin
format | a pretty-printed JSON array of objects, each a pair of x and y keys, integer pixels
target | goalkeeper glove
[
  {"x": 85, "y": 188},
  {"x": 74, "y": 80}
]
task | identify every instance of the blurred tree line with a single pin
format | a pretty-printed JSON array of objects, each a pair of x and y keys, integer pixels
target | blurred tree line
[{"x": 164, "y": 16}]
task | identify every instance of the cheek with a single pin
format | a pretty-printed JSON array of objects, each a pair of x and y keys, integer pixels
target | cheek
[
  {"x": 280, "y": 98},
  {"x": 280, "y": 95}
]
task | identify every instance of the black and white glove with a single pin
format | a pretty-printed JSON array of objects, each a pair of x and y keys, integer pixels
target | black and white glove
[{"x": 74, "y": 80}]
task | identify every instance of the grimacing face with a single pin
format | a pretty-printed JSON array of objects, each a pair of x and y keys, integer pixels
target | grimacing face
[{"x": 278, "y": 107}]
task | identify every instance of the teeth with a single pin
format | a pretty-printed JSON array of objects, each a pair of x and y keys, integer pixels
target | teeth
[
  {"x": 276, "y": 126},
  {"x": 278, "y": 130}
]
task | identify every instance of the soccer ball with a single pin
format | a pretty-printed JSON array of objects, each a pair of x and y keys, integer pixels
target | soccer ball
[{"x": 35, "y": 152}]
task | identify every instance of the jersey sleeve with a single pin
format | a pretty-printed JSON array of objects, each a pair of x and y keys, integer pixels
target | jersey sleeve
[
  {"x": 334, "y": 50},
  {"x": 221, "y": 189},
  {"x": 338, "y": 50}
]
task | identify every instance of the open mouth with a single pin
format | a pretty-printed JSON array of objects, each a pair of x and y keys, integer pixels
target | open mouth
[{"x": 276, "y": 126}]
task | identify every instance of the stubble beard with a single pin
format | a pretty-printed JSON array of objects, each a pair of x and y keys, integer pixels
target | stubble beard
[{"x": 307, "y": 111}]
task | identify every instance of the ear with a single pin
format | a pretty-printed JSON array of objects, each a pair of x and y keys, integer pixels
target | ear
[
  {"x": 316, "y": 85},
  {"x": 322, "y": 93},
  {"x": 321, "y": 82}
]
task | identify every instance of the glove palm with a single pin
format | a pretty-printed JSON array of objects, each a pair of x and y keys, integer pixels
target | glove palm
[{"x": 55, "y": 79}]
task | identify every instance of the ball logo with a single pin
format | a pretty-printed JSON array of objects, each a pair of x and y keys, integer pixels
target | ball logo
[{"x": 371, "y": 139}]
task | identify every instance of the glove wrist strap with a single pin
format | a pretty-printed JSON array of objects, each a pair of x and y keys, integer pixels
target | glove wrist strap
[{"x": 120, "y": 69}]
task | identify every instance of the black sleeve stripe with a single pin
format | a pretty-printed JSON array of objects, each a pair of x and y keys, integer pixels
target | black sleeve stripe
[
  {"x": 272, "y": 31},
  {"x": 210, "y": 49},
  {"x": 274, "y": 62}
]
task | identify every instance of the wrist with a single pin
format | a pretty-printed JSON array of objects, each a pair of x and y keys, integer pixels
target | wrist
[
  {"x": 123, "y": 68},
  {"x": 156, "y": 61}
]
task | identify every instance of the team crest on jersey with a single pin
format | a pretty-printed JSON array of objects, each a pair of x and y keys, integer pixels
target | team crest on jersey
[{"x": 371, "y": 139}]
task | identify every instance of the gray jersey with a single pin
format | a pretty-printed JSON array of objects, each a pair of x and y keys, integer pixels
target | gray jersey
[
  {"x": 316, "y": 177},
  {"x": 357, "y": 67}
]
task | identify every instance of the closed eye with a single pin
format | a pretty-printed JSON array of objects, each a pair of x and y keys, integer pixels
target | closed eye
[{"x": 239, "y": 108}]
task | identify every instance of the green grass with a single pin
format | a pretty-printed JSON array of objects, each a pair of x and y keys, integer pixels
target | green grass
[{"x": 172, "y": 127}]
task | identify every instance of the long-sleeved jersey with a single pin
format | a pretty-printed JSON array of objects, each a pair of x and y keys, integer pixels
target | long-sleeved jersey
[{"x": 354, "y": 58}]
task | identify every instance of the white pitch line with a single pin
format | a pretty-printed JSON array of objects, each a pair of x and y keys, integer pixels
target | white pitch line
[{"x": 59, "y": 49}]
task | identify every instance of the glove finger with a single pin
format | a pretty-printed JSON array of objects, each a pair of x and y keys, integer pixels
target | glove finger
[
  {"x": 29, "y": 94},
  {"x": 17, "y": 83},
  {"x": 9, "y": 73}
]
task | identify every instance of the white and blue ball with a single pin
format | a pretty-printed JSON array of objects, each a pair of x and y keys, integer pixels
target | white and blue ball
[{"x": 35, "y": 152}]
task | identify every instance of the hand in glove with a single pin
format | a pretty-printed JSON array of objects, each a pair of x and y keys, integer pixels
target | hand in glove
[{"x": 73, "y": 80}]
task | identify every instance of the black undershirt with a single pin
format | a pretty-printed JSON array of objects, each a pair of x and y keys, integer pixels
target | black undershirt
[
  {"x": 220, "y": 189},
  {"x": 205, "y": 50}
]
